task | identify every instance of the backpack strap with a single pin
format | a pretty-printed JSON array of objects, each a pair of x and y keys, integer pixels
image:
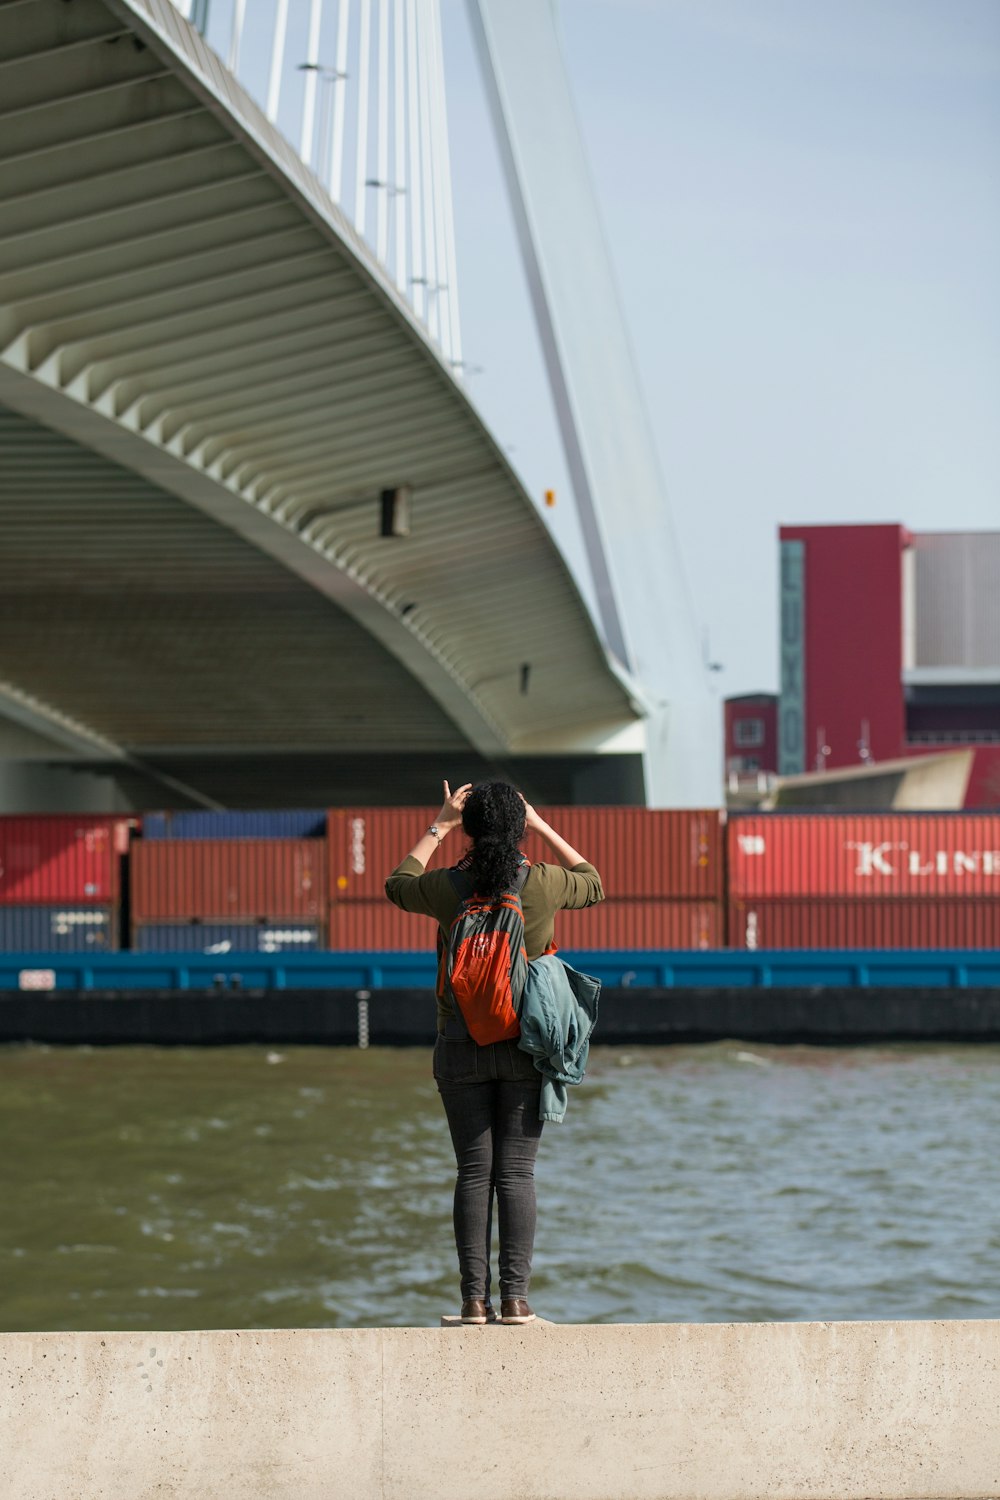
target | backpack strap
[{"x": 461, "y": 882}]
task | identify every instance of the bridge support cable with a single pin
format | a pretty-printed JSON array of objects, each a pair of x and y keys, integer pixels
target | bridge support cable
[
  {"x": 427, "y": 179},
  {"x": 399, "y": 143},
  {"x": 381, "y": 180},
  {"x": 336, "y": 177},
  {"x": 311, "y": 69},
  {"x": 447, "y": 217},
  {"x": 417, "y": 278},
  {"x": 239, "y": 16},
  {"x": 277, "y": 59}
]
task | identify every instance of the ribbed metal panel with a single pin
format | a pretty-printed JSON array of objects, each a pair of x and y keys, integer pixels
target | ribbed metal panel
[
  {"x": 639, "y": 853},
  {"x": 365, "y": 843},
  {"x": 643, "y": 924},
  {"x": 227, "y": 937},
  {"x": 58, "y": 929},
  {"x": 61, "y": 858},
  {"x": 957, "y": 599},
  {"x": 379, "y": 927},
  {"x": 871, "y": 856},
  {"x": 264, "y": 880},
  {"x": 642, "y": 853},
  {"x": 301, "y": 823},
  {"x": 82, "y": 620},
  {"x": 831, "y": 923}
]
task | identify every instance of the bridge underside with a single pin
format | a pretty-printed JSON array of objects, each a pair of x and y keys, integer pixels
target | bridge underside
[
  {"x": 214, "y": 668},
  {"x": 206, "y": 383}
]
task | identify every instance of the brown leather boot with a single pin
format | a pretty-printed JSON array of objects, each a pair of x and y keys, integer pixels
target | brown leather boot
[
  {"x": 473, "y": 1310},
  {"x": 515, "y": 1310}
]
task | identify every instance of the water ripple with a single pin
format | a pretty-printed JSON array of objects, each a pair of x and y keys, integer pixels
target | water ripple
[{"x": 179, "y": 1188}]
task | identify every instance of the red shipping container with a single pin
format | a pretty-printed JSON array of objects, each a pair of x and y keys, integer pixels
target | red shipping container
[
  {"x": 944, "y": 923},
  {"x": 643, "y": 924},
  {"x": 271, "y": 880},
  {"x": 866, "y": 855},
  {"x": 61, "y": 859},
  {"x": 642, "y": 854},
  {"x": 365, "y": 844},
  {"x": 381, "y": 927}
]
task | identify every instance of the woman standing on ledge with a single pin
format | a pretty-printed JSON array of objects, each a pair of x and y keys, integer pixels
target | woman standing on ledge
[{"x": 490, "y": 1094}]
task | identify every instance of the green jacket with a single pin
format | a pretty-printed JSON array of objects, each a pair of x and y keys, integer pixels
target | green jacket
[
  {"x": 558, "y": 1015},
  {"x": 548, "y": 889}
]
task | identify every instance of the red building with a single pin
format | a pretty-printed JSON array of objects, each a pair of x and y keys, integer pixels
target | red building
[
  {"x": 890, "y": 646},
  {"x": 751, "y": 734}
]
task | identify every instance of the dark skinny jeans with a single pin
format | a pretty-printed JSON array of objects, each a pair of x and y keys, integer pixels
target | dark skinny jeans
[{"x": 490, "y": 1095}]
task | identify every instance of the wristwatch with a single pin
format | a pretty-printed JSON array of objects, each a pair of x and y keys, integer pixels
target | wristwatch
[{"x": 436, "y": 832}]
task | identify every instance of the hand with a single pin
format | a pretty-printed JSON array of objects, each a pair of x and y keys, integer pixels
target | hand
[
  {"x": 567, "y": 856},
  {"x": 451, "y": 809},
  {"x": 532, "y": 821}
]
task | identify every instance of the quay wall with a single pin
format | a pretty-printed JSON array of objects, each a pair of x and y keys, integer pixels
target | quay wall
[{"x": 832, "y": 1411}]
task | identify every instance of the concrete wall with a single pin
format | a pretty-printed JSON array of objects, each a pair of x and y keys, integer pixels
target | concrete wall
[{"x": 832, "y": 1411}]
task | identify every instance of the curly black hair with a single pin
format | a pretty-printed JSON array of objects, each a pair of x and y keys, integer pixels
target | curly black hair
[{"x": 493, "y": 818}]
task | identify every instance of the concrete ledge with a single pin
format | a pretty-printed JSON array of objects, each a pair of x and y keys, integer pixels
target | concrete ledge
[{"x": 832, "y": 1411}]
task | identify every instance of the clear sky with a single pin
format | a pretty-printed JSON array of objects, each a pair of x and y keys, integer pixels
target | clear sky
[{"x": 802, "y": 199}]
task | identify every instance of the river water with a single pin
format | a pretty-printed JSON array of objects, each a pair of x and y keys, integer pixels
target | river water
[{"x": 311, "y": 1187}]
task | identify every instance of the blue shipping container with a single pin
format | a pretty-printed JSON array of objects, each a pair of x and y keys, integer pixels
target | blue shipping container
[
  {"x": 299, "y": 823},
  {"x": 58, "y": 929},
  {"x": 226, "y": 937}
]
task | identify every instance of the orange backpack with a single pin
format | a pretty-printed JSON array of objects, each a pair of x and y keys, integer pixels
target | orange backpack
[{"x": 485, "y": 964}]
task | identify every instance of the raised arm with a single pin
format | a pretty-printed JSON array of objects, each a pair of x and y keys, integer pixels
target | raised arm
[
  {"x": 567, "y": 856},
  {"x": 578, "y": 884},
  {"x": 448, "y": 818},
  {"x": 404, "y": 886}
]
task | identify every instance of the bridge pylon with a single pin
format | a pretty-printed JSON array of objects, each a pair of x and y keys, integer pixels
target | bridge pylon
[{"x": 645, "y": 609}]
